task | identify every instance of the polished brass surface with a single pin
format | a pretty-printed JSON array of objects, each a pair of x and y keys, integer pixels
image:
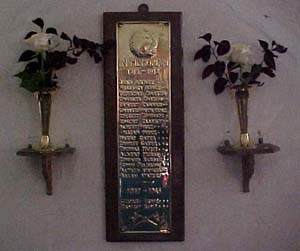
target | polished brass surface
[
  {"x": 144, "y": 115},
  {"x": 45, "y": 112},
  {"x": 244, "y": 139},
  {"x": 45, "y": 141},
  {"x": 242, "y": 96}
]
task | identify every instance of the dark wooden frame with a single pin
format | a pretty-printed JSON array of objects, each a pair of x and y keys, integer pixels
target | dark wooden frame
[{"x": 177, "y": 123}]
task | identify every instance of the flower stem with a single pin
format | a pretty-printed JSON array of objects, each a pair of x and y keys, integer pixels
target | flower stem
[
  {"x": 43, "y": 56},
  {"x": 213, "y": 52}
]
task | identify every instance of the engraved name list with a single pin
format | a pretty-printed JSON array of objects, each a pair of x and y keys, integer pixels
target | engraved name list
[{"x": 143, "y": 73}]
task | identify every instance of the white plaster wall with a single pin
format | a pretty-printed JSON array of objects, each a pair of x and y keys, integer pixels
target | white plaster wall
[{"x": 218, "y": 216}]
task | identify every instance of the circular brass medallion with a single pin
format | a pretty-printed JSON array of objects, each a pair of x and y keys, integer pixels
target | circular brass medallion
[{"x": 143, "y": 45}]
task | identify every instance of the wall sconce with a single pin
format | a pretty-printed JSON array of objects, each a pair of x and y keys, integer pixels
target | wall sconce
[
  {"x": 238, "y": 72},
  {"x": 245, "y": 150}
]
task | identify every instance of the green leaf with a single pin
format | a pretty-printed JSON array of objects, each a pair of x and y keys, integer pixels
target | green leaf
[
  {"x": 33, "y": 81},
  {"x": 28, "y": 81},
  {"x": 29, "y": 85},
  {"x": 22, "y": 75}
]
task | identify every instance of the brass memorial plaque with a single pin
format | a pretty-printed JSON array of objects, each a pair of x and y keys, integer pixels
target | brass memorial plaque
[
  {"x": 143, "y": 76},
  {"x": 143, "y": 166}
]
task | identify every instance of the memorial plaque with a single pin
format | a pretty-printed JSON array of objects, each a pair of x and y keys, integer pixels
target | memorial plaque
[{"x": 144, "y": 130}]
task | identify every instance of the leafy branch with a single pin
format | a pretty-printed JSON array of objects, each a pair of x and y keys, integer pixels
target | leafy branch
[
  {"x": 42, "y": 63},
  {"x": 230, "y": 73}
]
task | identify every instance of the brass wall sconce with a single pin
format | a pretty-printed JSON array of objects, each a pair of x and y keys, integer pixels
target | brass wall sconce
[
  {"x": 245, "y": 150},
  {"x": 238, "y": 72},
  {"x": 40, "y": 78}
]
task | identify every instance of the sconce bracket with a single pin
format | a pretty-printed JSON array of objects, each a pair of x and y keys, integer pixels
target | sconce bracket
[
  {"x": 45, "y": 155},
  {"x": 247, "y": 157}
]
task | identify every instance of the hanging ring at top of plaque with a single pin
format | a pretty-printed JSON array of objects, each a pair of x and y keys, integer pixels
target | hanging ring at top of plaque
[{"x": 143, "y": 7}]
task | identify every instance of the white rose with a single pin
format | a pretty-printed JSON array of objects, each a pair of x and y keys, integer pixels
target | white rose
[
  {"x": 240, "y": 53},
  {"x": 41, "y": 41}
]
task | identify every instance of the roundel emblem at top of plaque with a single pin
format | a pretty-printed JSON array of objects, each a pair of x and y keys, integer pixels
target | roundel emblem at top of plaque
[{"x": 142, "y": 44}]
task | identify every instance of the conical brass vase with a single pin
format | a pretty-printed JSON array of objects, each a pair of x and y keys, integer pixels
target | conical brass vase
[
  {"x": 44, "y": 100},
  {"x": 241, "y": 97}
]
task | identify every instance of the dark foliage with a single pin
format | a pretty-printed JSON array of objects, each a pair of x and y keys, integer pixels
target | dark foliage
[
  {"x": 64, "y": 36},
  {"x": 106, "y": 46},
  {"x": 228, "y": 73},
  {"x": 27, "y": 56},
  {"x": 219, "y": 68},
  {"x": 51, "y": 31},
  {"x": 223, "y": 47},
  {"x": 231, "y": 66},
  {"x": 55, "y": 60},
  {"x": 208, "y": 70},
  {"x": 206, "y": 37},
  {"x": 269, "y": 59},
  {"x": 30, "y": 34},
  {"x": 203, "y": 53},
  {"x": 278, "y": 48},
  {"x": 39, "y": 72},
  {"x": 39, "y": 22},
  {"x": 255, "y": 72},
  {"x": 71, "y": 60},
  {"x": 94, "y": 50},
  {"x": 32, "y": 67},
  {"x": 219, "y": 86},
  {"x": 268, "y": 71},
  {"x": 263, "y": 44},
  {"x": 233, "y": 77}
]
